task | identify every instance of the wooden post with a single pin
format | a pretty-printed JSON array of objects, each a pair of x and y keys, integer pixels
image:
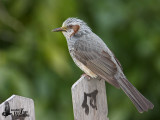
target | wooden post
[
  {"x": 89, "y": 99},
  {"x": 17, "y": 108}
]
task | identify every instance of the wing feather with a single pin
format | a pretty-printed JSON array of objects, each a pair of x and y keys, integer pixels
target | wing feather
[{"x": 97, "y": 60}]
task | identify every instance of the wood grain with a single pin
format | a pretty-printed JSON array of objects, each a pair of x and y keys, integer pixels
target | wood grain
[
  {"x": 89, "y": 99},
  {"x": 17, "y": 108}
]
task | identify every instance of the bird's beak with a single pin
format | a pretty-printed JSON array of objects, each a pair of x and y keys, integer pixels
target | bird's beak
[{"x": 60, "y": 29}]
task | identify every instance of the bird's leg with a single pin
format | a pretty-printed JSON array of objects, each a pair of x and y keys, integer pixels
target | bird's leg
[
  {"x": 99, "y": 78},
  {"x": 85, "y": 75}
]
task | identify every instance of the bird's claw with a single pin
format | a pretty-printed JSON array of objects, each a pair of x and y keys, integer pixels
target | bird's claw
[{"x": 85, "y": 75}]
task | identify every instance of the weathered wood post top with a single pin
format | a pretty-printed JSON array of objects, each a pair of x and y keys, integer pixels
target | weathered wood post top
[
  {"x": 89, "y": 99},
  {"x": 17, "y": 108}
]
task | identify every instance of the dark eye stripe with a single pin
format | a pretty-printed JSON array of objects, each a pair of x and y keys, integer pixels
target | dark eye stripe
[{"x": 70, "y": 26}]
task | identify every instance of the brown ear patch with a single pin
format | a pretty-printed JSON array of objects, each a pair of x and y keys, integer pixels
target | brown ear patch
[{"x": 75, "y": 29}]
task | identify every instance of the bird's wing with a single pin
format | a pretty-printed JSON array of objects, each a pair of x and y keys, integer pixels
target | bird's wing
[{"x": 95, "y": 58}]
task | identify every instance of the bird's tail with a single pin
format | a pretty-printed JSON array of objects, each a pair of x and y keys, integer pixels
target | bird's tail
[{"x": 140, "y": 102}]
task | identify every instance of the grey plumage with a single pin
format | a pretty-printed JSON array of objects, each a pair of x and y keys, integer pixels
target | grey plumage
[
  {"x": 93, "y": 56},
  {"x": 92, "y": 52}
]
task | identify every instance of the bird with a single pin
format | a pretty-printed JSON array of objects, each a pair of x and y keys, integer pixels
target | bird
[
  {"x": 96, "y": 60},
  {"x": 6, "y": 110}
]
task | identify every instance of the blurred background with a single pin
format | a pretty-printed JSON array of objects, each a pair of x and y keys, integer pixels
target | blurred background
[{"x": 35, "y": 63}]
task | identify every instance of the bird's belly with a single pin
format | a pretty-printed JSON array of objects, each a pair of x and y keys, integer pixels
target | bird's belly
[{"x": 85, "y": 69}]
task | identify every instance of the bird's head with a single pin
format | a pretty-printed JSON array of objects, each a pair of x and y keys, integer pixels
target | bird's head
[{"x": 73, "y": 26}]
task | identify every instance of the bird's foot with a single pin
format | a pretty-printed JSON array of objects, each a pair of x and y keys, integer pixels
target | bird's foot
[
  {"x": 85, "y": 75},
  {"x": 99, "y": 78}
]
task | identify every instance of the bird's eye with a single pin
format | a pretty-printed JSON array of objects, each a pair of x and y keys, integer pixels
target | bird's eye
[{"x": 70, "y": 26}]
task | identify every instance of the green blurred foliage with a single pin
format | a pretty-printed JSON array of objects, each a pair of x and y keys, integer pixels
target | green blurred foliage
[{"x": 34, "y": 62}]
